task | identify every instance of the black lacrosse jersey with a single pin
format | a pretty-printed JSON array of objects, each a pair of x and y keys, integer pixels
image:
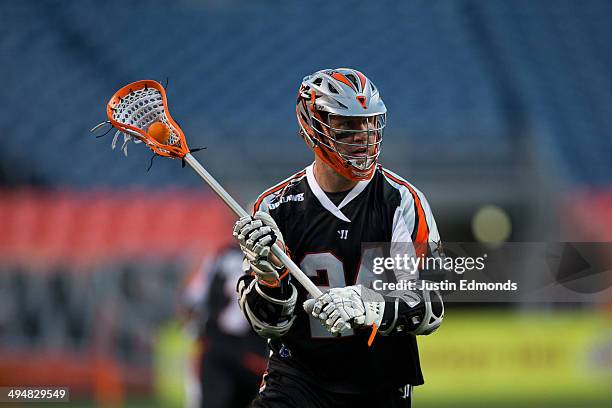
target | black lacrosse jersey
[
  {"x": 224, "y": 326},
  {"x": 210, "y": 292},
  {"x": 325, "y": 240}
]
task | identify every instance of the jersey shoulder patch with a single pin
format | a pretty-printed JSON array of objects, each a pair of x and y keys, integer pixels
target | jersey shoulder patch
[{"x": 279, "y": 193}]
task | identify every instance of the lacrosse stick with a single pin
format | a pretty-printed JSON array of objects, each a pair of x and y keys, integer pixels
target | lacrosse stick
[{"x": 134, "y": 108}]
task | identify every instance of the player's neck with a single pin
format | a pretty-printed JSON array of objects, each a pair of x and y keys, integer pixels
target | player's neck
[{"x": 329, "y": 180}]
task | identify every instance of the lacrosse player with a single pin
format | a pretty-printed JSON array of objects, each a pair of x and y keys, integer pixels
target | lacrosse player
[
  {"x": 319, "y": 353},
  {"x": 231, "y": 358}
]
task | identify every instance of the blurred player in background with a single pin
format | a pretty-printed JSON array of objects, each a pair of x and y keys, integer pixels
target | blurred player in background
[
  {"x": 232, "y": 357},
  {"x": 321, "y": 216}
]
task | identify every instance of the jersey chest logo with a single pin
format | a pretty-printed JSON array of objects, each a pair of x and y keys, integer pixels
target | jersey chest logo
[
  {"x": 285, "y": 199},
  {"x": 343, "y": 233}
]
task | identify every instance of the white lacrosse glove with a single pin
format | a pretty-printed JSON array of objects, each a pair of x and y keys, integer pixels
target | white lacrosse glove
[
  {"x": 339, "y": 309},
  {"x": 256, "y": 235},
  {"x": 324, "y": 309}
]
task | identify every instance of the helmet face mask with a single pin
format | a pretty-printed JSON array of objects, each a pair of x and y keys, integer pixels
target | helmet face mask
[
  {"x": 342, "y": 118},
  {"x": 355, "y": 139}
]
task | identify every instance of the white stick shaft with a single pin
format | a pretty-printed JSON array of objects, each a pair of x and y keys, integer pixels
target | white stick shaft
[{"x": 231, "y": 203}]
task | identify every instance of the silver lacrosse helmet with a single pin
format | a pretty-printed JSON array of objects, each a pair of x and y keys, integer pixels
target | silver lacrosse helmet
[{"x": 342, "y": 118}]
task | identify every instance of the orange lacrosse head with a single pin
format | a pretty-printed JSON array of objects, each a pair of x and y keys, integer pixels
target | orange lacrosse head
[{"x": 137, "y": 106}]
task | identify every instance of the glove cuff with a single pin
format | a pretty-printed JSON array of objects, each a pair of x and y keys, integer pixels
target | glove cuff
[{"x": 374, "y": 305}]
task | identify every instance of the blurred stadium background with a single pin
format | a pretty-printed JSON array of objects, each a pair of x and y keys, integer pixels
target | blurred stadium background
[{"x": 500, "y": 111}]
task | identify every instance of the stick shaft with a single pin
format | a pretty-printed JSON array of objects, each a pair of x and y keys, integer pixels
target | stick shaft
[{"x": 239, "y": 211}]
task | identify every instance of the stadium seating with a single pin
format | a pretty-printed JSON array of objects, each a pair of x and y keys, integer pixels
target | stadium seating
[{"x": 461, "y": 80}]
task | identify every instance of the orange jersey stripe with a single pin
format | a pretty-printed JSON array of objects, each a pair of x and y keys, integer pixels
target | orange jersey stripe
[{"x": 422, "y": 230}]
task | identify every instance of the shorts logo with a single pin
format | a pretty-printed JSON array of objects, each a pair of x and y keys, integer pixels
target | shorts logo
[
  {"x": 405, "y": 391},
  {"x": 284, "y": 352},
  {"x": 284, "y": 199}
]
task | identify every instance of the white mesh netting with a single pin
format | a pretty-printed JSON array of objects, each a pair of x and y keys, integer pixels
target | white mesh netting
[{"x": 141, "y": 108}]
